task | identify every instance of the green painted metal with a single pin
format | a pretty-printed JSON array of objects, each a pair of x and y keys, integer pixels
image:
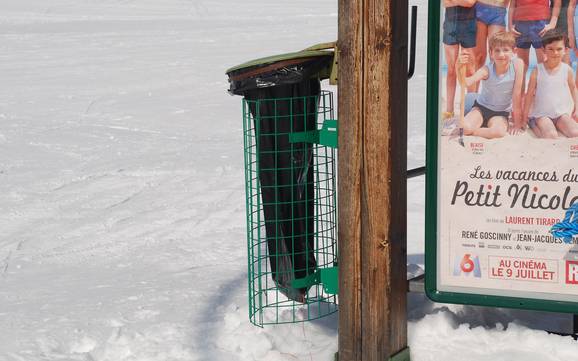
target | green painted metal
[
  {"x": 307, "y": 137},
  {"x": 326, "y": 136},
  {"x": 322, "y": 46},
  {"x": 312, "y": 279},
  {"x": 330, "y": 280},
  {"x": 432, "y": 110},
  {"x": 403, "y": 355},
  {"x": 282, "y": 57},
  {"x": 327, "y": 277},
  {"x": 268, "y": 303},
  {"x": 431, "y": 197},
  {"x": 334, "y": 66},
  {"x": 318, "y": 50}
]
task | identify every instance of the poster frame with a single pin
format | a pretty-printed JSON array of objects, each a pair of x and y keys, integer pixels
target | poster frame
[{"x": 431, "y": 196}]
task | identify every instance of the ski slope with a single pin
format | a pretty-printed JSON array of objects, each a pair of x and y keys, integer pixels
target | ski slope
[{"x": 122, "y": 196}]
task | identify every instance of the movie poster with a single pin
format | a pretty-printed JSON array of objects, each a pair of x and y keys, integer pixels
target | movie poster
[{"x": 508, "y": 150}]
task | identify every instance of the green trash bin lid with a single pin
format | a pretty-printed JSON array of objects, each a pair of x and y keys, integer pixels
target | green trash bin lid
[
  {"x": 280, "y": 69},
  {"x": 300, "y": 55}
]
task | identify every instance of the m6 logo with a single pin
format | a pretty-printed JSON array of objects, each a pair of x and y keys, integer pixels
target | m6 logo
[
  {"x": 572, "y": 272},
  {"x": 467, "y": 265}
]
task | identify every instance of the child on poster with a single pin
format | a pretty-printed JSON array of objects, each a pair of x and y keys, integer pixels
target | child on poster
[
  {"x": 501, "y": 91},
  {"x": 529, "y": 20},
  {"x": 491, "y": 19},
  {"x": 459, "y": 30},
  {"x": 572, "y": 25},
  {"x": 549, "y": 104},
  {"x": 562, "y": 26}
]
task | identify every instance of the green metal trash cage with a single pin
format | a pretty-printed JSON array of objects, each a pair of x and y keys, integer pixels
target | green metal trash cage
[{"x": 290, "y": 140}]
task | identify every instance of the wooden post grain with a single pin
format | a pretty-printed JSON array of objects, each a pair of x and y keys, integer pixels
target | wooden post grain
[{"x": 372, "y": 184}]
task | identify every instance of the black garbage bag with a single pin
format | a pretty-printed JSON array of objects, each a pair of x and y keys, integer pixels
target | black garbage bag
[{"x": 286, "y": 171}]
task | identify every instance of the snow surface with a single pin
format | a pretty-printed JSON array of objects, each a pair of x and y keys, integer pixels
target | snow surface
[{"x": 122, "y": 197}]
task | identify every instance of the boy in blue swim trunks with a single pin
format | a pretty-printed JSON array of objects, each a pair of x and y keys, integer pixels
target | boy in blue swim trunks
[
  {"x": 459, "y": 30},
  {"x": 501, "y": 91},
  {"x": 529, "y": 20},
  {"x": 491, "y": 19}
]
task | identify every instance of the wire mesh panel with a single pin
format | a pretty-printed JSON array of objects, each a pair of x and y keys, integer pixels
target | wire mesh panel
[{"x": 291, "y": 208}]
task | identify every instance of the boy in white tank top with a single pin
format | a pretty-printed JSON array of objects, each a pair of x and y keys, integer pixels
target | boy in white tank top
[
  {"x": 552, "y": 96},
  {"x": 501, "y": 91}
]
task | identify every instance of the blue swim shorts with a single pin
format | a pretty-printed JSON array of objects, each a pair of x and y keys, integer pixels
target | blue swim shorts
[
  {"x": 491, "y": 15},
  {"x": 530, "y": 33},
  {"x": 462, "y": 32}
]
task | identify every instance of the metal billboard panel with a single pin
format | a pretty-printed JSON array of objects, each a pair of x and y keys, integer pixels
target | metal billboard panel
[{"x": 494, "y": 204}]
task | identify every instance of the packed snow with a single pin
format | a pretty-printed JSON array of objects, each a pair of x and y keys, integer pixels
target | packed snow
[{"x": 122, "y": 191}]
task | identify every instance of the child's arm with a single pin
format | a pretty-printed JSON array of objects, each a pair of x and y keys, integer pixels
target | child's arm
[
  {"x": 554, "y": 19},
  {"x": 467, "y": 3},
  {"x": 571, "y": 35},
  {"x": 481, "y": 74},
  {"x": 530, "y": 94},
  {"x": 464, "y": 3},
  {"x": 519, "y": 120},
  {"x": 511, "y": 18},
  {"x": 576, "y": 82},
  {"x": 572, "y": 86}
]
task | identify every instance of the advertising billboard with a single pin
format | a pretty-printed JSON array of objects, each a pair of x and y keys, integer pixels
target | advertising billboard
[{"x": 502, "y": 162}]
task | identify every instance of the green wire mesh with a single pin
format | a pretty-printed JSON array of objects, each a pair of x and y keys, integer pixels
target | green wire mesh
[{"x": 291, "y": 208}]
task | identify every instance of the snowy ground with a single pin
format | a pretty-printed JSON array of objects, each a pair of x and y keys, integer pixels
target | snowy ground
[{"x": 122, "y": 197}]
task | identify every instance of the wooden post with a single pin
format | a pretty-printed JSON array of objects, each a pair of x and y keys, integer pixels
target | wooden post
[{"x": 372, "y": 184}]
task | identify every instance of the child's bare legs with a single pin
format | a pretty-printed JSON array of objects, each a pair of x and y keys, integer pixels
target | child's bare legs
[
  {"x": 524, "y": 54},
  {"x": 537, "y": 132},
  {"x": 497, "y": 128},
  {"x": 471, "y": 67},
  {"x": 481, "y": 44},
  {"x": 484, "y": 32},
  {"x": 567, "y": 126},
  {"x": 472, "y": 121},
  {"x": 540, "y": 56},
  {"x": 545, "y": 128},
  {"x": 451, "y": 52},
  {"x": 575, "y": 81}
]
